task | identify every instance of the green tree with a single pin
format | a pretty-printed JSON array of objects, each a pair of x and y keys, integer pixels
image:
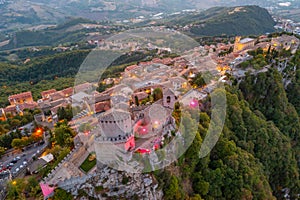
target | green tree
[
  {"x": 85, "y": 127},
  {"x": 33, "y": 187},
  {"x": 65, "y": 113},
  {"x": 157, "y": 94},
  {"x": 17, "y": 143},
  {"x": 60, "y": 194},
  {"x": 172, "y": 190},
  {"x": 15, "y": 189},
  {"x": 15, "y": 123},
  {"x": 64, "y": 135},
  {"x": 198, "y": 81},
  {"x": 2, "y": 151},
  {"x": 3, "y": 130}
]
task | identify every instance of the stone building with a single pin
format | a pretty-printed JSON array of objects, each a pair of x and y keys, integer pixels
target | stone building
[
  {"x": 169, "y": 98},
  {"x": 285, "y": 42},
  {"x": 22, "y": 98},
  {"x": 46, "y": 94},
  {"x": 242, "y": 44},
  {"x": 116, "y": 137}
]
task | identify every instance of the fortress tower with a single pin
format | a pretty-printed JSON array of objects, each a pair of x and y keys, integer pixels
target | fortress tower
[{"x": 116, "y": 137}]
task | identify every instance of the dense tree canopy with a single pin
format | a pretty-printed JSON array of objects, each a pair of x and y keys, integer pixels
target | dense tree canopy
[
  {"x": 253, "y": 159},
  {"x": 63, "y": 135}
]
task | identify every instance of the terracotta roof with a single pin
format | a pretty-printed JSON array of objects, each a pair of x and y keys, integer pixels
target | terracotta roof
[
  {"x": 20, "y": 96},
  {"x": 11, "y": 108},
  {"x": 30, "y": 106},
  {"x": 167, "y": 61},
  {"x": 102, "y": 106},
  {"x": 131, "y": 67},
  {"x": 68, "y": 91},
  {"x": 45, "y": 94},
  {"x": 145, "y": 63},
  {"x": 57, "y": 95},
  {"x": 140, "y": 95}
]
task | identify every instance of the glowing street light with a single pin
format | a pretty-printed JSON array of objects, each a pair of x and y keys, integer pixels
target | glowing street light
[
  {"x": 156, "y": 124},
  {"x": 39, "y": 131},
  {"x": 86, "y": 133}
]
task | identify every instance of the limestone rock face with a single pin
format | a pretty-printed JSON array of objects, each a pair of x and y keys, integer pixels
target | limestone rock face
[{"x": 108, "y": 183}]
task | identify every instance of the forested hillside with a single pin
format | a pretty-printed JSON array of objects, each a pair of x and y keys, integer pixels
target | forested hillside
[
  {"x": 244, "y": 20},
  {"x": 55, "y": 71},
  {"x": 258, "y": 153},
  {"x": 253, "y": 159},
  {"x": 60, "y": 34}
]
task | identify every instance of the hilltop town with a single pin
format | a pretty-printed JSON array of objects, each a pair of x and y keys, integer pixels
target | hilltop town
[{"x": 134, "y": 115}]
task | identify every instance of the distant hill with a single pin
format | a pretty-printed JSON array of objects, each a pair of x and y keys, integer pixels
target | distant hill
[
  {"x": 69, "y": 32},
  {"x": 19, "y": 14},
  {"x": 27, "y": 13},
  {"x": 243, "y": 20}
]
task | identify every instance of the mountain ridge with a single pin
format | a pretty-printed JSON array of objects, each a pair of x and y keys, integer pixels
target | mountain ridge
[{"x": 241, "y": 20}]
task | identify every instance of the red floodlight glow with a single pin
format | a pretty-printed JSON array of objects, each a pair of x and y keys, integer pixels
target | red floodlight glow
[{"x": 193, "y": 103}]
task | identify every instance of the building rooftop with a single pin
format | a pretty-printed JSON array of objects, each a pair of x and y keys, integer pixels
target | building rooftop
[
  {"x": 83, "y": 87},
  {"x": 140, "y": 95},
  {"x": 102, "y": 106},
  {"x": 45, "y": 94},
  {"x": 79, "y": 97},
  {"x": 20, "y": 96},
  {"x": 246, "y": 40},
  {"x": 68, "y": 91},
  {"x": 114, "y": 115},
  {"x": 57, "y": 95}
]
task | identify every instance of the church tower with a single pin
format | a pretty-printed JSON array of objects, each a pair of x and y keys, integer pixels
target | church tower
[{"x": 237, "y": 44}]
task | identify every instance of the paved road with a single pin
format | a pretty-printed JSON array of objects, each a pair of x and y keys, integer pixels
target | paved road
[{"x": 25, "y": 156}]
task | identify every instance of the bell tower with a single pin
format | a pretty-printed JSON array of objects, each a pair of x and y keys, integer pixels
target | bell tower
[{"x": 237, "y": 44}]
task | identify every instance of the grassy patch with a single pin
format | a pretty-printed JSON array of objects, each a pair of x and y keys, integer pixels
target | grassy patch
[
  {"x": 99, "y": 188},
  {"x": 89, "y": 163}
]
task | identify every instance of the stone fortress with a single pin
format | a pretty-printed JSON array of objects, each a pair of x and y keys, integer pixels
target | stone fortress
[{"x": 129, "y": 122}]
